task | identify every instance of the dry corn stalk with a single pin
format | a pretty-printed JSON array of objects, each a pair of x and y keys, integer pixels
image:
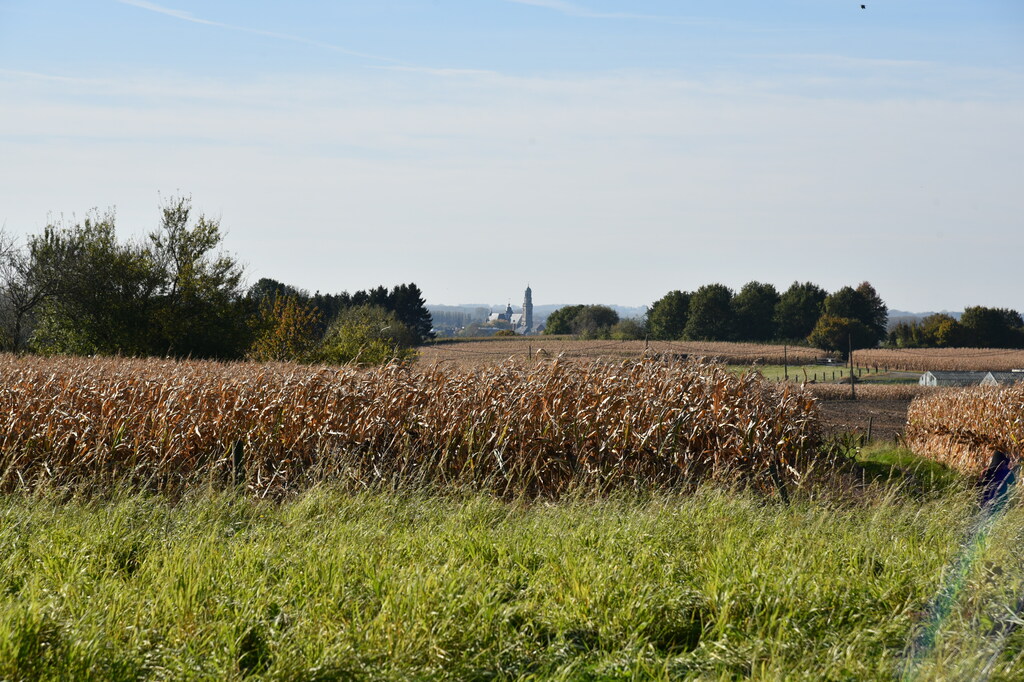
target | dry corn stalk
[
  {"x": 961, "y": 427},
  {"x": 535, "y": 430}
]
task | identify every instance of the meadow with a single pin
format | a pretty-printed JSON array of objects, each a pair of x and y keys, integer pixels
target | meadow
[{"x": 331, "y": 585}]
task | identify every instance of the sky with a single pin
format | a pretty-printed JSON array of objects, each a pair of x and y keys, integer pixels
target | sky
[{"x": 603, "y": 151}]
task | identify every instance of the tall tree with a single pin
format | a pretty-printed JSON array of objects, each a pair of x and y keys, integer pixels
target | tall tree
[
  {"x": 711, "y": 316},
  {"x": 199, "y": 312},
  {"x": 406, "y": 300},
  {"x": 992, "y": 327},
  {"x": 286, "y": 330},
  {"x": 666, "y": 318},
  {"x": 798, "y": 311},
  {"x": 754, "y": 307},
  {"x": 560, "y": 321},
  {"x": 863, "y": 304},
  {"x": 102, "y": 292},
  {"x": 594, "y": 321},
  {"x": 840, "y": 334}
]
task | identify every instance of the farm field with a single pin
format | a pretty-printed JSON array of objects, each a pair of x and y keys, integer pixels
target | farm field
[
  {"x": 510, "y": 429},
  {"x": 476, "y": 352},
  {"x": 565, "y": 519},
  {"x": 329, "y": 585}
]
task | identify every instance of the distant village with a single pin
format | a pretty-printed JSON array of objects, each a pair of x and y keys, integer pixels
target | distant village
[{"x": 484, "y": 321}]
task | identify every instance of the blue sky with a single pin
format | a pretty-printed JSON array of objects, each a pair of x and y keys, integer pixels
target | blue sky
[{"x": 602, "y": 150}]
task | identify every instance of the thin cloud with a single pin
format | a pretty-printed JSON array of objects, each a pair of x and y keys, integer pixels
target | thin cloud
[
  {"x": 574, "y": 10},
  {"x": 189, "y": 17}
]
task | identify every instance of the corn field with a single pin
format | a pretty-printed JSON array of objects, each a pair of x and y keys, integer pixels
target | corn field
[
  {"x": 510, "y": 429},
  {"x": 961, "y": 427},
  {"x": 942, "y": 359}
]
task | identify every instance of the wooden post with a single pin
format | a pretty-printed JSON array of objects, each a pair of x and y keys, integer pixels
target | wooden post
[
  {"x": 785, "y": 361},
  {"x": 853, "y": 379}
]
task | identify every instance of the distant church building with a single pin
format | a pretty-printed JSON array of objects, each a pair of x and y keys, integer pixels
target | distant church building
[
  {"x": 528, "y": 310},
  {"x": 521, "y": 323}
]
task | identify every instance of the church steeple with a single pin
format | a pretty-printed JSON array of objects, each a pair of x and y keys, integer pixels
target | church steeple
[{"x": 528, "y": 310}]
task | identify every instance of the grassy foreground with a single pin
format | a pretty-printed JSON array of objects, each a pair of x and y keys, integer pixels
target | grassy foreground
[{"x": 328, "y": 585}]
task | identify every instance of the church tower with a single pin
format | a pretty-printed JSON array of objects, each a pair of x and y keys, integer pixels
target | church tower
[{"x": 528, "y": 310}]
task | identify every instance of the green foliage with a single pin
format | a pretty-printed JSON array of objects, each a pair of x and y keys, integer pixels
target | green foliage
[
  {"x": 198, "y": 311},
  {"x": 367, "y": 335},
  {"x": 101, "y": 296},
  {"x": 628, "y": 330},
  {"x": 862, "y": 304},
  {"x": 710, "y": 316},
  {"x": 979, "y": 327},
  {"x": 560, "y": 321},
  {"x": 838, "y": 333},
  {"x": 171, "y": 295},
  {"x": 992, "y": 328},
  {"x": 586, "y": 321},
  {"x": 331, "y": 585},
  {"x": 798, "y": 311},
  {"x": 754, "y": 310},
  {"x": 667, "y": 317},
  {"x": 285, "y": 330},
  {"x": 935, "y": 331}
]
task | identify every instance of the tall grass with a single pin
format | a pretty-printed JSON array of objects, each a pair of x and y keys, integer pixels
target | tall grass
[
  {"x": 332, "y": 585},
  {"x": 538, "y": 430}
]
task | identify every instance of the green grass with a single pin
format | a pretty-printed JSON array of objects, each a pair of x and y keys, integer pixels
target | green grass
[
  {"x": 824, "y": 373},
  {"x": 717, "y": 584},
  {"x": 894, "y": 463}
]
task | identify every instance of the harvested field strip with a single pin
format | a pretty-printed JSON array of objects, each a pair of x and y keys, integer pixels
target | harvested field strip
[
  {"x": 961, "y": 427},
  {"x": 540, "y": 430},
  {"x": 873, "y": 391},
  {"x": 490, "y": 351},
  {"x": 474, "y": 352}
]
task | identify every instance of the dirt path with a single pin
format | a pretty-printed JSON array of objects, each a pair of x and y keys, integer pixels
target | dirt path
[{"x": 887, "y": 417}]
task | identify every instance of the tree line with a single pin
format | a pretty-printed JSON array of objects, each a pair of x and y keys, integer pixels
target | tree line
[
  {"x": 78, "y": 289},
  {"x": 805, "y": 313},
  {"x": 978, "y": 327}
]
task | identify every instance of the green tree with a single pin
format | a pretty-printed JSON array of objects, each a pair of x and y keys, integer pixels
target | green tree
[
  {"x": 992, "y": 327},
  {"x": 367, "y": 335},
  {"x": 798, "y": 310},
  {"x": 560, "y": 321},
  {"x": 839, "y": 333},
  {"x": 629, "y": 329},
  {"x": 667, "y": 317},
  {"x": 588, "y": 321},
  {"x": 100, "y": 293},
  {"x": 754, "y": 308},
  {"x": 710, "y": 315},
  {"x": 199, "y": 304},
  {"x": 863, "y": 304},
  {"x": 286, "y": 330},
  {"x": 942, "y": 331},
  {"x": 406, "y": 300},
  {"x": 594, "y": 321}
]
